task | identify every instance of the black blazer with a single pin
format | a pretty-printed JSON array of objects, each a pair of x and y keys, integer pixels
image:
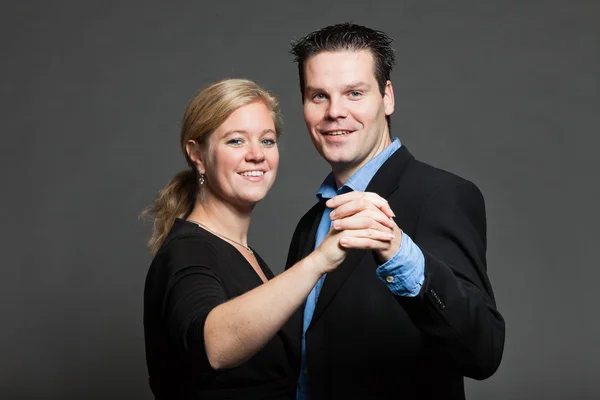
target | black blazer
[{"x": 366, "y": 343}]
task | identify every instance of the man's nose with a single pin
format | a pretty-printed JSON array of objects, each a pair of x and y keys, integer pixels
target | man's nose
[{"x": 337, "y": 108}]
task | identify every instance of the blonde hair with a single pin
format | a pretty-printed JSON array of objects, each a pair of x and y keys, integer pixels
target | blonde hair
[{"x": 207, "y": 110}]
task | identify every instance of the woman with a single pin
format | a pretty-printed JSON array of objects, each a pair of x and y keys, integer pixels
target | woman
[{"x": 213, "y": 310}]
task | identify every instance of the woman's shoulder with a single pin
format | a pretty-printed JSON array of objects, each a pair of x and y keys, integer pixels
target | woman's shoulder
[{"x": 186, "y": 242}]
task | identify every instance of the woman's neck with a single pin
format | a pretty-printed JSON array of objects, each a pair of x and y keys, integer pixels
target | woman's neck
[{"x": 223, "y": 218}]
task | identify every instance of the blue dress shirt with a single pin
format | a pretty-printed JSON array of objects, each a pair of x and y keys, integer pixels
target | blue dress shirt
[{"x": 403, "y": 274}]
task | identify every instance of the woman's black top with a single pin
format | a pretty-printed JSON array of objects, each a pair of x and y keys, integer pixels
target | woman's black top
[{"x": 193, "y": 272}]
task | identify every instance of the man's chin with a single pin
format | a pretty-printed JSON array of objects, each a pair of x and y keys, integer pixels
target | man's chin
[
  {"x": 341, "y": 165},
  {"x": 339, "y": 157}
]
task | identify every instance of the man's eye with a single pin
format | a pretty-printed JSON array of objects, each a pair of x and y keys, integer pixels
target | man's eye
[
  {"x": 318, "y": 96},
  {"x": 355, "y": 93}
]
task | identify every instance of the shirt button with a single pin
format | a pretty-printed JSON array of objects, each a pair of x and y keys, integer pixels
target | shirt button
[{"x": 389, "y": 279}]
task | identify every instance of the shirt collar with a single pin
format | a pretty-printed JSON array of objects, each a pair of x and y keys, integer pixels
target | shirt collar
[{"x": 361, "y": 178}]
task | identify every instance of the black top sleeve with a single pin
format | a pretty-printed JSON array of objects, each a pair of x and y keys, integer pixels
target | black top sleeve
[{"x": 194, "y": 290}]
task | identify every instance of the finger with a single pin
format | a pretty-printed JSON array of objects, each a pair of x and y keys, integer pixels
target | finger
[
  {"x": 352, "y": 207},
  {"x": 374, "y": 198},
  {"x": 362, "y": 202},
  {"x": 359, "y": 221},
  {"x": 372, "y": 234},
  {"x": 377, "y": 215},
  {"x": 373, "y": 213},
  {"x": 343, "y": 199},
  {"x": 380, "y": 203},
  {"x": 364, "y": 243}
]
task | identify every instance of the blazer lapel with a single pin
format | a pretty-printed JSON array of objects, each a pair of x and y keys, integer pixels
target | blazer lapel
[
  {"x": 309, "y": 236},
  {"x": 335, "y": 279},
  {"x": 387, "y": 178},
  {"x": 306, "y": 244},
  {"x": 385, "y": 181}
]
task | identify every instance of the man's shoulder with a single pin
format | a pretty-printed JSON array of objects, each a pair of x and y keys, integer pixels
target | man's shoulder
[
  {"x": 421, "y": 180},
  {"x": 434, "y": 177}
]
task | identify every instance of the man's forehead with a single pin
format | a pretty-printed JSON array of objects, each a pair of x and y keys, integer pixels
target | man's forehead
[{"x": 342, "y": 68}]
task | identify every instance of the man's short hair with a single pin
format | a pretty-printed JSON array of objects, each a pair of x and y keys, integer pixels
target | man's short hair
[{"x": 346, "y": 36}]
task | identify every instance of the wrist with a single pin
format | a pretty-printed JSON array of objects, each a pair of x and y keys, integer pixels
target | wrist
[
  {"x": 318, "y": 263},
  {"x": 385, "y": 255}
]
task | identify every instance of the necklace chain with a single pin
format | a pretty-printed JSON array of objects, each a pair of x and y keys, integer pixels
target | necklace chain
[{"x": 222, "y": 236}]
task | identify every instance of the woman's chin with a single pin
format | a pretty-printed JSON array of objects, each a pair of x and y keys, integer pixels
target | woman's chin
[{"x": 250, "y": 201}]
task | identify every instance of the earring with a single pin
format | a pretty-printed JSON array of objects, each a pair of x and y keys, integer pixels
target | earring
[{"x": 201, "y": 179}]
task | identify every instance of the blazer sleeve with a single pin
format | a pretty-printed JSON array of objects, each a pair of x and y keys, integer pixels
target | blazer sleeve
[{"x": 456, "y": 305}]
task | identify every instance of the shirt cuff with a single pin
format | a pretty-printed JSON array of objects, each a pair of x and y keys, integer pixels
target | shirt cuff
[{"x": 404, "y": 273}]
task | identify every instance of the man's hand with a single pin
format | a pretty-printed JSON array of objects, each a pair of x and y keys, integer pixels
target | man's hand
[{"x": 370, "y": 213}]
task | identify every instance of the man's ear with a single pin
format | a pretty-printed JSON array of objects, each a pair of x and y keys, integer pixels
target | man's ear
[
  {"x": 388, "y": 98},
  {"x": 192, "y": 149}
]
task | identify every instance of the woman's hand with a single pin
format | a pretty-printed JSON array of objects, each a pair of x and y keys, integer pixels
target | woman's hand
[
  {"x": 359, "y": 221},
  {"x": 371, "y": 216}
]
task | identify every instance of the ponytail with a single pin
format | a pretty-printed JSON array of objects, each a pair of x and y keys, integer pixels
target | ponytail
[{"x": 175, "y": 200}]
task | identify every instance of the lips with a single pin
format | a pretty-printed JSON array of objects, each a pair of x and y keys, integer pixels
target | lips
[
  {"x": 336, "y": 132},
  {"x": 253, "y": 173},
  {"x": 336, "y": 135}
]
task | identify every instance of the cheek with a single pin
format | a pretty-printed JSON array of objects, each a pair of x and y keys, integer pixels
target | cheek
[
  {"x": 225, "y": 162},
  {"x": 312, "y": 114},
  {"x": 274, "y": 158},
  {"x": 369, "y": 115}
]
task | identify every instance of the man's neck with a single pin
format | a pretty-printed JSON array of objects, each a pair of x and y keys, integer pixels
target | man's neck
[{"x": 342, "y": 173}]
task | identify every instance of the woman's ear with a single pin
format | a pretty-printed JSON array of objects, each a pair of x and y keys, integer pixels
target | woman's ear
[{"x": 192, "y": 149}]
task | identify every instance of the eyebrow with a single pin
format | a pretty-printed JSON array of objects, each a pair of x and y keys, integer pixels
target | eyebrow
[
  {"x": 351, "y": 86},
  {"x": 358, "y": 85},
  {"x": 268, "y": 130}
]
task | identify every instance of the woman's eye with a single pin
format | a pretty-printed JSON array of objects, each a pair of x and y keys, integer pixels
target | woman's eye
[
  {"x": 269, "y": 142},
  {"x": 235, "y": 142}
]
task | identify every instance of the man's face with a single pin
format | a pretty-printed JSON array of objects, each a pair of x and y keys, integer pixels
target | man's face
[{"x": 344, "y": 110}]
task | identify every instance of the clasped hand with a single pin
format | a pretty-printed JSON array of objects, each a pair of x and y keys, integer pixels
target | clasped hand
[{"x": 360, "y": 220}]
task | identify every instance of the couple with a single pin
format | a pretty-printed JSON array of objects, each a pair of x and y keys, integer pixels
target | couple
[{"x": 385, "y": 292}]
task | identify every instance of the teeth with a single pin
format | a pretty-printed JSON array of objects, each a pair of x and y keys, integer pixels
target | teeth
[
  {"x": 338, "y": 133},
  {"x": 252, "y": 173}
]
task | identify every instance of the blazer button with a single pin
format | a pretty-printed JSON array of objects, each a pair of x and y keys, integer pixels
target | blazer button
[{"x": 437, "y": 299}]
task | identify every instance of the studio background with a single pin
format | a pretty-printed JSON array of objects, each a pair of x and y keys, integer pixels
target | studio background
[{"x": 504, "y": 93}]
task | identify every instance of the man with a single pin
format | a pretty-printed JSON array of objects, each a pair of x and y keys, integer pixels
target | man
[{"x": 410, "y": 321}]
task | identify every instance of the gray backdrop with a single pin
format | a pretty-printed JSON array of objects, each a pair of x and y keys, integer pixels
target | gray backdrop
[{"x": 505, "y": 93}]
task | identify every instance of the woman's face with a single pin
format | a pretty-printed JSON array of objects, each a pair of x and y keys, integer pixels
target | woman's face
[{"x": 243, "y": 158}]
